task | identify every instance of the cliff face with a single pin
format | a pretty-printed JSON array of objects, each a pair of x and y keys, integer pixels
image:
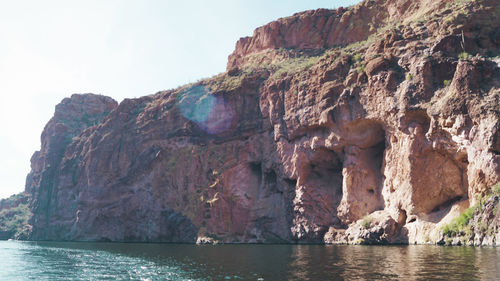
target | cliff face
[
  {"x": 322, "y": 28},
  {"x": 377, "y": 123},
  {"x": 48, "y": 170}
]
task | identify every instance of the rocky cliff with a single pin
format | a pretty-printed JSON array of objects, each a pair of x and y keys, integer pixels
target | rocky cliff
[
  {"x": 14, "y": 216},
  {"x": 377, "y": 123}
]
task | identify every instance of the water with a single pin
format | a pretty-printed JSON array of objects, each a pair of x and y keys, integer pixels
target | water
[{"x": 118, "y": 261}]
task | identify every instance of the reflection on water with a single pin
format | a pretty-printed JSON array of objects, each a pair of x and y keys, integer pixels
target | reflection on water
[
  {"x": 118, "y": 261},
  {"x": 394, "y": 263}
]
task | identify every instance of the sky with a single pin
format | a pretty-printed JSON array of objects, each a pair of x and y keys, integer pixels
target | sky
[{"x": 119, "y": 48}]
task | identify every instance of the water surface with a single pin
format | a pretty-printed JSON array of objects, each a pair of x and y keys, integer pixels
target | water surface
[{"x": 120, "y": 261}]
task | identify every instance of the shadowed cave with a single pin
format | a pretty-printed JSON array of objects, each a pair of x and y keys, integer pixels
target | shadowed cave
[{"x": 362, "y": 171}]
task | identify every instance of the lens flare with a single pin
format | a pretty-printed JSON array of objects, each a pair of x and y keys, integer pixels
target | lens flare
[{"x": 211, "y": 113}]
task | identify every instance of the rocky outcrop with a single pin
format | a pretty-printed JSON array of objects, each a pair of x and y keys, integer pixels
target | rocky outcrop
[
  {"x": 72, "y": 116},
  {"x": 381, "y": 141},
  {"x": 14, "y": 215},
  {"x": 323, "y": 28}
]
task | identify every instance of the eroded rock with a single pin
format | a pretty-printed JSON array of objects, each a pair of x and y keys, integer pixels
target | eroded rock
[{"x": 382, "y": 141}]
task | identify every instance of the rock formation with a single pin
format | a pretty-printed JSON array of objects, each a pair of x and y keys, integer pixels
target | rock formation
[
  {"x": 376, "y": 123},
  {"x": 14, "y": 216}
]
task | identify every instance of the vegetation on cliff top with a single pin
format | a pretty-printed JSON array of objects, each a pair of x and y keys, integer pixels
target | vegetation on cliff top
[{"x": 274, "y": 64}]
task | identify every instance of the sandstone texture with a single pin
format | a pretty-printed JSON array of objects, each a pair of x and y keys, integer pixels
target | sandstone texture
[{"x": 377, "y": 123}]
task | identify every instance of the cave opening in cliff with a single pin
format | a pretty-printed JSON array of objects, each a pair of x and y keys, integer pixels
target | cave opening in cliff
[
  {"x": 362, "y": 173},
  {"x": 292, "y": 183},
  {"x": 265, "y": 179},
  {"x": 270, "y": 181},
  {"x": 375, "y": 169},
  {"x": 256, "y": 169},
  {"x": 325, "y": 179},
  {"x": 416, "y": 122},
  {"x": 440, "y": 182}
]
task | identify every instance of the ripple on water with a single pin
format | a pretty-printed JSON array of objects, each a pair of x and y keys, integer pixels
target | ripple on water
[{"x": 118, "y": 261}]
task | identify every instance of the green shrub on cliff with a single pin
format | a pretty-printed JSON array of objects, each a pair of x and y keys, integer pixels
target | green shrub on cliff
[
  {"x": 366, "y": 222},
  {"x": 464, "y": 56},
  {"x": 496, "y": 189},
  {"x": 459, "y": 224},
  {"x": 293, "y": 65}
]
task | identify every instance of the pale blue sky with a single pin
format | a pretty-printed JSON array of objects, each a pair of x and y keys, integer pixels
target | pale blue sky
[{"x": 51, "y": 49}]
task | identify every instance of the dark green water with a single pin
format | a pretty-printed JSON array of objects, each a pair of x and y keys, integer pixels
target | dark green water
[{"x": 116, "y": 261}]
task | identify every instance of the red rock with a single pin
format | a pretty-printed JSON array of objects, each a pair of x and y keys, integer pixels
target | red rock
[
  {"x": 298, "y": 153},
  {"x": 322, "y": 28},
  {"x": 376, "y": 65}
]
